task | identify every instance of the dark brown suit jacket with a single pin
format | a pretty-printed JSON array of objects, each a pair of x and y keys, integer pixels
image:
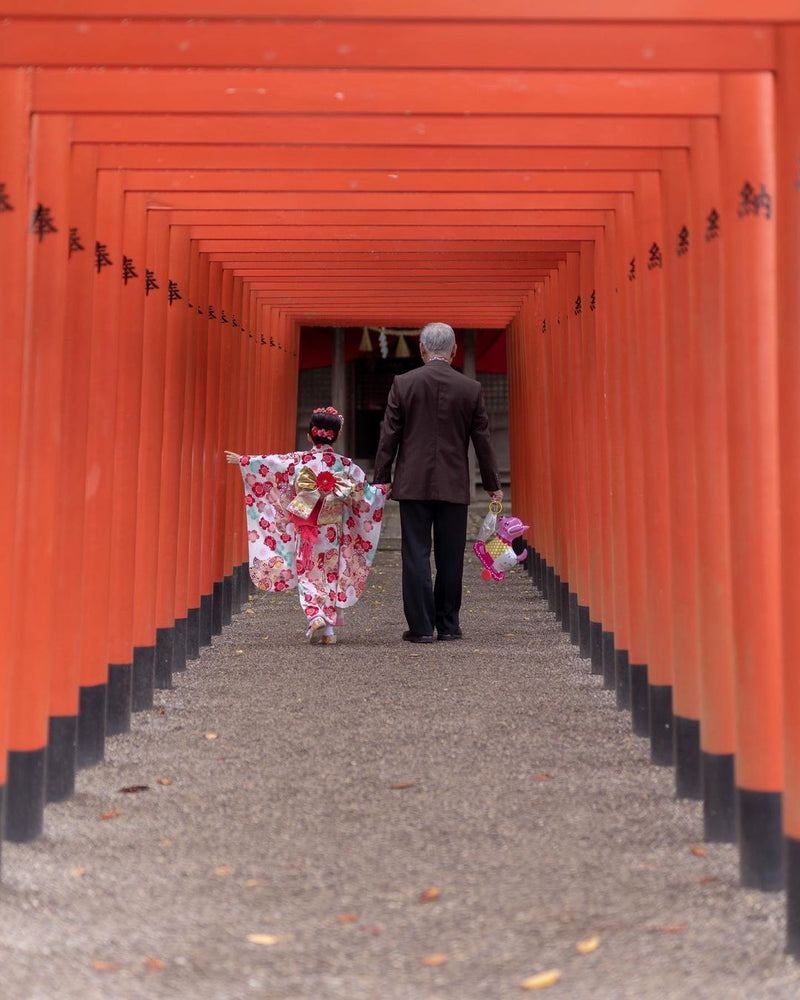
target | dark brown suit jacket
[{"x": 431, "y": 415}]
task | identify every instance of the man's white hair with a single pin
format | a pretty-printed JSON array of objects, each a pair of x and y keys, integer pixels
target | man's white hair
[{"x": 437, "y": 338}]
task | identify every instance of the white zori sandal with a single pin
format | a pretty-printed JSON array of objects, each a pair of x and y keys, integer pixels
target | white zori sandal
[{"x": 319, "y": 631}]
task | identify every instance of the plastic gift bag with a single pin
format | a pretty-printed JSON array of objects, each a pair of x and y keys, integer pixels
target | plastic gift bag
[{"x": 493, "y": 546}]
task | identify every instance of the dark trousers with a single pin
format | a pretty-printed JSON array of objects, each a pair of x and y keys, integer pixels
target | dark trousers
[{"x": 427, "y": 605}]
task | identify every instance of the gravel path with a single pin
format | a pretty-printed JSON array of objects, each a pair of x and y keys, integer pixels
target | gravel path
[{"x": 531, "y": 820}]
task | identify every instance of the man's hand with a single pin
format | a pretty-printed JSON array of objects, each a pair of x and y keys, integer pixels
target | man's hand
[
  {"x": 232, "y": 458},
  {"x": 497, "y": 495}
]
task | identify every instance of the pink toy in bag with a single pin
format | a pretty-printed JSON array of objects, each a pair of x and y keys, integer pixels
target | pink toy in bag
[{"x": 493, "y": 546}]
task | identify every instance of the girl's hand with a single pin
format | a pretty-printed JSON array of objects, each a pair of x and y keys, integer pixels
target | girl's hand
[{"x": 232, "y": 458}]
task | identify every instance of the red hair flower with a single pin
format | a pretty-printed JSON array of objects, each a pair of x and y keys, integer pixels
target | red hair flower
[{"x": 326, "y": 481}]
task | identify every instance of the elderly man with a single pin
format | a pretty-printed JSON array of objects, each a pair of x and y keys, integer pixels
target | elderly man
[{"x": 431, "y": 415}]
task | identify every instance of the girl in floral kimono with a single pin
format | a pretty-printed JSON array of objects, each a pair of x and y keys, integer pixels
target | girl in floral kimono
[{"x": 313, "y": 523}]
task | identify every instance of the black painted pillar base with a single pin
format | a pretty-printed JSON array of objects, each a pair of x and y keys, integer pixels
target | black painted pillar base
[
  {"x": 536, "y": 570},
  {"x": 193, "y": 634},
  {"x": 25, "y": 791},
  {"x": 205, "y": 620},
  {"x": 792, "y": 856},
  {"x": 574, "y": 623},
  {"x": 2, "y": 819},
  {"x": 584, "y": 646},
  {"x": 565, "y": 606},
  {"x": 609, "y": 666},
  {"x": 640, "y": 702},
  {"x": 165, "y": 642},
  {"x": 144, "y": 665},
  {"x": 216, "y": 609},
  {"x": 245, "y": 582},
  {"x": 179, "y": 641},
  {"x": 544, "y": 581},
  {"x": 622, "y": 679},
  {"x": 688, "y": 783},
  {"x": 227, "y": 600},
  {"x": 118, "y": 704},
  {"x": 554, "y": 594},
  {"x": 760, "y": 839},
  {"x": 61, "y": 761},
  {"x": 596, "y": 646},
  {"x": 662, "y": 746},
  {"x": 719, "y": 798},
  {"x": 91, "y": 725},
  {"x": 236, "y": 591}
]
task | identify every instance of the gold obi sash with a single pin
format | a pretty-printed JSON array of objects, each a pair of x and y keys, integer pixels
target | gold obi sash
[{"x": 311, "y": 487}]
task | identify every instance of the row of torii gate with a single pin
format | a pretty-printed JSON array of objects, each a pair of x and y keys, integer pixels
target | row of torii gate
[{"x": 184, "y": 183}]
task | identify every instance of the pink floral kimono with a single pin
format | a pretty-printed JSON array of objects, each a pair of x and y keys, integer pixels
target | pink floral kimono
[{"x": 313, "y": 523}]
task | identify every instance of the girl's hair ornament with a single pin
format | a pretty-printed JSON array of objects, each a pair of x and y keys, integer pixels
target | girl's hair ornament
[{"x": 494, "y": 543}]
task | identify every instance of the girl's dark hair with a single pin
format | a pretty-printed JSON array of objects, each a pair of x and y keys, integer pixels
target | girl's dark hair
[{"x": 325, "y": 424}]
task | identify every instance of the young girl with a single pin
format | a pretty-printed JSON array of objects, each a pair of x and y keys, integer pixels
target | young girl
[{"x": 313, "y": 523}]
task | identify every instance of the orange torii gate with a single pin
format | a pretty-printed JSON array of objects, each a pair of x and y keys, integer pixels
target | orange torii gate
[{"x": 661, "y": 459}]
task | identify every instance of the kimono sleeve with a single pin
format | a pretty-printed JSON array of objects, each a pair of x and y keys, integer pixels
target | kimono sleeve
[
  {"x": 361, "y": 531},
  {"x": 270, "y": 532}
]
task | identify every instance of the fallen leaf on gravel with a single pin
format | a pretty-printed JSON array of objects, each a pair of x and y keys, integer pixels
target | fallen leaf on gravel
[
  {"x": 239, "y": 651},
  {"x": 77, "y": 872},
  {"x": 111, "y": 814},
  {"x": 102, "y": 966},
  {"x": 347, "y": 918},
  {"x": 153, "y": 964},
  {"x": 413, "y": 654},
  {"x": 165, "y": 842},
  {"x": 588, "y": 945},
  {"x": 508, "y": 635},
  {"x": 707, "y": 878},
  {"x": 428, "y": 895},
  {"x": 212, "y": 736},
  {"x": 671, "y": 929},
  {"x": 250, "y": 882},
  {"x": 164, "y": 781},
  {"x": 249, "y": 611},
  {"x": 399, "y": 786},
  {"x": 541, "y": 980},
  {"x": 222, "y": 871},
  {"x": 544, "y": 777},
  {"x": 433, "y": 960},
  {"x": 132, "y": 789},
  {"x": 162, "y": 711},
  {"x": 699, "y": 852},
  {"x": 266, "y": 939}
]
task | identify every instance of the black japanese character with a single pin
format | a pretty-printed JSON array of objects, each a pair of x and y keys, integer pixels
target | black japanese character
[
  {"x": 712, "y": 225},
  {"x": 101, "y": 258},
  {"x": 149, "y": 281},
  {"x": 5, "y": 204},
  {"x": 656, "y": 257},
  {"x": 752, "y": 202},
  {"x": 578, "y": 306},
  {"x": 173, "y": 292},
  {"x": 544, "y": 326},
  {"x": 222, "y": 317},
  {"x": 211, "y": 313},
  {"x": 632, "y": 269},
  {"x": 593, "y": 301},
  {"x": 127, "y": 269},
  {"x": 74, "y": 241},
  {"x": 42, "y": 222},
  {"x": 683, "y": 242}
]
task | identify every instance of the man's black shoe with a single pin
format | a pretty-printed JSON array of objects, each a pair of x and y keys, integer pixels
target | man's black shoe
[
  {"x": 447, "y": 636},
  {"x": 413, "y": 637}
]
